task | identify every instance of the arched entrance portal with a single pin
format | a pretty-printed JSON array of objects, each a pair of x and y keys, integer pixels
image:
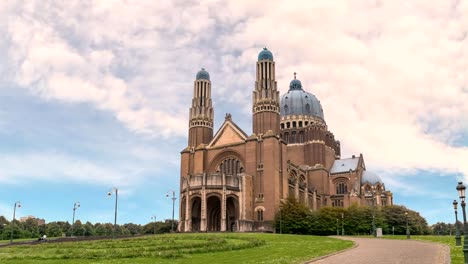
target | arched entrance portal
[
  {"x": 196, "y": 214},
  {"x": 231, "y": 214},
  {"x": 213, "y": 205}
]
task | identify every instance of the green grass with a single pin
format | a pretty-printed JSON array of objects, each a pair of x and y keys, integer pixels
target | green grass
[
  {"x": 179, "y": 248},
  {"x": 456, "y": 253}
]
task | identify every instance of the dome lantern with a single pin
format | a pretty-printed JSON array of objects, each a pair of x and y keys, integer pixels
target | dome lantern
[
  {"x": 265, "y": 54},
  {"x": 203, "y": 75}
]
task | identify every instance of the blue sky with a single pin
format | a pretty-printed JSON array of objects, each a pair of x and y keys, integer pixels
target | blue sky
[{"x": 95, "y": 94}]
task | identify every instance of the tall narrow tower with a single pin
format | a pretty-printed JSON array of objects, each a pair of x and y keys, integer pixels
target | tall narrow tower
[
  {"x": 266, "y": 111},
  {"x": 201, "y": 112}
]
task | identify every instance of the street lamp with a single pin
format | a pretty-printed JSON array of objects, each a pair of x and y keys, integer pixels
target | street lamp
[
  {"x": 457, "y": 234},
  {"x": 461, "y": 192},
  {"x": 173, "y": 202},
  {"x": 17, "y": 204},
  {"x": 114, "y": 189},
  {"x": 75, "y": 206},
  {"x": 407, "y": 228},
  {"x": 337, "y": 230},
  {"x": 374, "y": 233},
  {"x": 342, "y": 224},
  {"x": 154, "y": 224}
]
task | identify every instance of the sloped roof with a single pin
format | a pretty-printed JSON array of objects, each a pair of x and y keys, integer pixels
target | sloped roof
[
  {"x": 344, "y": 165},
  {"x": 228, "y": 133}
]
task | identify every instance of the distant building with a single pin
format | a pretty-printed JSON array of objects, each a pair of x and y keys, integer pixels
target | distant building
[
  {"x": 235, "y": 182},
  {"x": 26, "y": 218}
]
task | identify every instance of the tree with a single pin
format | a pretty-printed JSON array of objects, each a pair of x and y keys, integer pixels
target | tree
[
  {"x": 293, "y": 218},
  {"x": 30, "y": 228},
  {"x": 133, "y": 228},
  {"x": 78, "y": 229},
  {"x": 53, "y": 230},
  {"x": 88, "y": 229}
]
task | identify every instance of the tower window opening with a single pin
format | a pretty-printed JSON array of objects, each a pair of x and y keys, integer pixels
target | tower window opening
[
  {"x": 300, "y": 123},
  {"x": 294, "y": 123},
  {"x": 282, "y": 125},
  {"x": 288, "y": 125}
]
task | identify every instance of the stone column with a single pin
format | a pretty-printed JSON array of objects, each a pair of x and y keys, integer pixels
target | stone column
[
  {"x": 188, "y": 214},
  {"x": 223, "y": 206},
  {"x": 203, "y": 211}
]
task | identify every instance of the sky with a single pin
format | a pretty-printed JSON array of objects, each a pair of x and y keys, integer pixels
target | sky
[{"x": 96, "y": 94}]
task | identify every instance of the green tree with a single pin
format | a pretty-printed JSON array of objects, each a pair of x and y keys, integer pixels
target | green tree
[
  {"x": 133, "y": 228},
  {"x": 88, "y": 229},
  {"x": 78, "y": 229},
  {"x": 53, "y": 230},
  {"x": 293, "y": 218},
  {"x": 30, "y": 227}
]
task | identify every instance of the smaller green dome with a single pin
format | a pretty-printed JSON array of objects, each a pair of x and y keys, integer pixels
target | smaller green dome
[
  {"x": 265, "y": 54},
  {"x": 203, "y": 75},
  {"x": 295, "y": 84}
]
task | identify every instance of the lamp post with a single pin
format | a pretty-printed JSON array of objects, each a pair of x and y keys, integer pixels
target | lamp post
[
  {"x": 17, "y": 204},
  {"x": 408, "y": 236},
  {"x": 114, "y": 189},
  {"x": 373, "y": 214},
  {"x": 75, "y": 206},
  {"x": 461, "y": 192},
  {"x": 342, "y": 224},
  {"x": 173, "y": 203},
  {"x": 154, "y": 224},
  {"x": 337, "y": 231},
  {"x": 281, "y": 215},
  {"x": 457, "y": 234}
]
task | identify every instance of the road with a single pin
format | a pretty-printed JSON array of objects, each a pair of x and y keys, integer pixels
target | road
[{"x": 387, "y": 251}]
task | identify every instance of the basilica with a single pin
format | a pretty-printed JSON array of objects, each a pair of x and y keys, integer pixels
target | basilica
[{"x": 231, "y": 181}]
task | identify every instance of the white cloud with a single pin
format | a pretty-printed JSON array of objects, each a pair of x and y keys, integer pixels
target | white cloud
[
  {"x": 391, "y": 75},
  {"x": 56, "y": 167}
]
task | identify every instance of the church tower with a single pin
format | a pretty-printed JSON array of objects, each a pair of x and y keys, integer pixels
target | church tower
[
  {"x": 201, "y": 112},
  {"x": 266, "y": 111}
]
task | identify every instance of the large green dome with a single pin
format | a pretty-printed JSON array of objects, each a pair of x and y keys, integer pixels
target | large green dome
[{"x": 299, "y": 102}]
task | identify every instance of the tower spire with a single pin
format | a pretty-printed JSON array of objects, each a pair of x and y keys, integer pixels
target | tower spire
[
  {"x": 201, "y": 112},
  {"x": 265, "y": 96}
]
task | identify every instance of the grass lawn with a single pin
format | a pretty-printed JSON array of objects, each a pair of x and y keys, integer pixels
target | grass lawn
[
  {"x": 179, "y": 248},
  {"x": 456, "y": 253}
]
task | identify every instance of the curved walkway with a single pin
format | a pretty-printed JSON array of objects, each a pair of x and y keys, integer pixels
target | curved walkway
[{"x": 388, "y": 251}]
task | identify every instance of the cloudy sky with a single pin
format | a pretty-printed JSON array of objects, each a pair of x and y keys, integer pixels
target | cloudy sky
[{"x": 95, "y": 94}]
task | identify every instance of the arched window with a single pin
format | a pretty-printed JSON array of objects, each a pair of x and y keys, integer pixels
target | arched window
[
  {"x": 341, "y": 188},
  {"x": 286, "y": 137},
  {"x": 230, "y": 166},
  {"x": 301, "y": 137},
  {"x": 260, "y": 215}
]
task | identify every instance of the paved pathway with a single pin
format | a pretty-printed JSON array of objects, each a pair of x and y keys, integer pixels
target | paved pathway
[{"x": 387, "y": 251}]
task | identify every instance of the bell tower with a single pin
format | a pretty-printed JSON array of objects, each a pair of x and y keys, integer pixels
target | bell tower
[
  {"x": 266, "y": 110},
  {"x": 201, "y": 112}
]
